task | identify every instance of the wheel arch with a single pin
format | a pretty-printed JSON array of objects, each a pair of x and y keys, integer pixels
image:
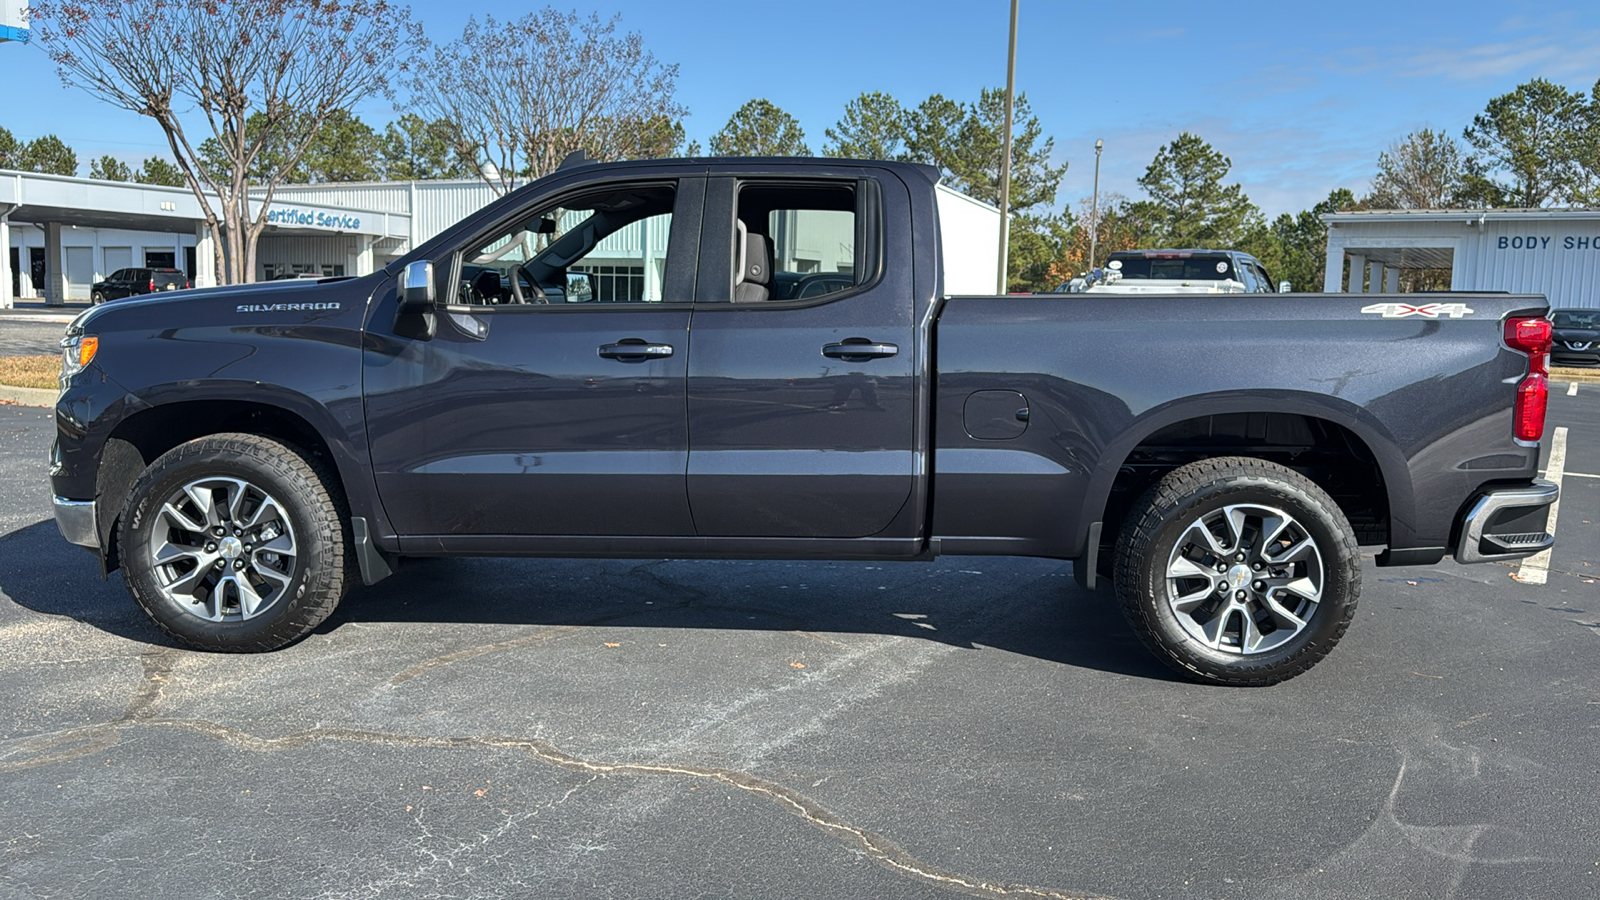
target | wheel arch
[
  {"x": 139, "y": 439},
  {"x": 1357, "y": 425}
]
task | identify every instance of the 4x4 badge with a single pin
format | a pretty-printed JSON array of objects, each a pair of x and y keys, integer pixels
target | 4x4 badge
[{"x": 1425, "y": 310}]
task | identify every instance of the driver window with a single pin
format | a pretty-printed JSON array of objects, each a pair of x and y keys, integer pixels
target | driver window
[{"x": 604, "y": 247}]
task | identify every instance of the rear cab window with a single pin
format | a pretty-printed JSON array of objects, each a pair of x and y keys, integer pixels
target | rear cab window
[
  {"x": 1180, "y": 266},
  {"x": 801, "y": 241}
]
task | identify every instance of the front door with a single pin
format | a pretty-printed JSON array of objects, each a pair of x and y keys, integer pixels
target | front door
[
  {"x": 550, "y": 398},
  {"x": 801, "y": 380}
]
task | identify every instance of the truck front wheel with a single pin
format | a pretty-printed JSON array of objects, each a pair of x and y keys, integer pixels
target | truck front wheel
[
  {"x": 1238, "y": 571},
  {"x": 234, "y": 543}
]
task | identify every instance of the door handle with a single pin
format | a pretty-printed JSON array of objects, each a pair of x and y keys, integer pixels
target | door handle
[
  {"x": 634, "y": 350},
  {"x": 858, "y": 350}
]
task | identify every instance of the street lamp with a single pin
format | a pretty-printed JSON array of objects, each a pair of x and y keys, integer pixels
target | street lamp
[
  {"x": 1005, "y": 155},
  {"x": 1094, "y": 205}
]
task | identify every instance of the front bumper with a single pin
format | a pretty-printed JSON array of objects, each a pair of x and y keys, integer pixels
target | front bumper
[
  {"x": 1508, "y": 523},
  {"x": 78, "y": 522}
]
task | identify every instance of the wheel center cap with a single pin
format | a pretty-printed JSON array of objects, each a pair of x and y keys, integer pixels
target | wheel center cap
[
  {"x": 1239, "y": 576},
  {"x": 231, "y": 548}
]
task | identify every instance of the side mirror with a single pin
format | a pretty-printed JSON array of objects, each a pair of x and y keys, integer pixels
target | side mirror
[
  {"x": 580, "y": 287},
  {"x": 416, "y": 288}
]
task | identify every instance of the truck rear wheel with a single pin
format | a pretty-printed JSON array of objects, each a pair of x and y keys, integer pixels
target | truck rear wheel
[
  {"x": 1238, "y": 571},
  {"x": 234, "y": 543}
]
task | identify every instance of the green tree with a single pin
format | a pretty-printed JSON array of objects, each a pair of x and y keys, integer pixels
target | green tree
[
  {"x": 345, "y": 149},
  {"x": 1531, "y": 135},
  {"x": 933, "y": 133},
  {"x": 109, "y": 168},
  {"x": 1037, "y": 244},
  {"x": 1586, "y": 153},
  {"x": 1420, "y": 171},
  {"x": 1189, "y": 205},
  {"x": 1294, "y": 248},
  {"x": 10, "y": 150},
  {"x": 416, "y": 149},
  {"x": 1120, "y": 228},
  {"x": 874, "y": 126},
  {"x": 156, "y": 170},
  {"x": 760, "y": 128},
  {"x": 980, "y": 148},
  {"x": 50, "y": 155}
]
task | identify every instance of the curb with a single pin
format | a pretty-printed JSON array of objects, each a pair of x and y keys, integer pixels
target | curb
[
  {"x": 43, "y": 318},
  {"x": 1581, "y": 376},
  {"x": 23, "y": 396}
]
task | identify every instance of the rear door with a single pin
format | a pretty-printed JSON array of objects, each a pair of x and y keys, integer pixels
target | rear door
[{"x": 801, "y": 388}]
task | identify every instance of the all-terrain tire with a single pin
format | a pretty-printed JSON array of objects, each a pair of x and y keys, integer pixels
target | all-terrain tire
[
  {"x": 275, "y": 525},
  {"x": 1244, "y": 630}
]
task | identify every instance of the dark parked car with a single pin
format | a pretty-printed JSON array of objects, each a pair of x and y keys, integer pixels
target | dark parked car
[
  {"x": 136, "y": 281},
  {"x": 1577, "y": 337}
]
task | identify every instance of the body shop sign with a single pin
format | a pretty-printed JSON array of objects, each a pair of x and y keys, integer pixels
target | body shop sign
[
  {"x": 1548, "y": 242},
  {"x": 307, "y": 218}
]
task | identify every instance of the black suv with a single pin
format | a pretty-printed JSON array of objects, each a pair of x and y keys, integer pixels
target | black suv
[
  {"x": 131, "y": 282},
  {"x": 1577, "y": 337}
]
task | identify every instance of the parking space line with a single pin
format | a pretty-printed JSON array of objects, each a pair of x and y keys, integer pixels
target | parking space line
[
  {"x": 1572, "y": 389},
  {"x": 1536, "y": 568}
]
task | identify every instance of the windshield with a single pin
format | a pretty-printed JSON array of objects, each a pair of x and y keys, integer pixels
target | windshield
[
  {"x": 1185, "y": 268},
  {"x": 1575, "y": 318}
]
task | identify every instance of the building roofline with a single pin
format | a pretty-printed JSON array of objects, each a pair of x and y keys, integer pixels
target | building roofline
[{"x": 1582, "y": 213}]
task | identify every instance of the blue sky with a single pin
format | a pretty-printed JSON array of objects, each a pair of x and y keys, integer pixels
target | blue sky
[{"x": 1301, "y": 96}]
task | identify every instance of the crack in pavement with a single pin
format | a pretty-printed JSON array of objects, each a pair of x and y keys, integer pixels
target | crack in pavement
[
  {"x": 82, "y": 740},
  {"x": 874, "y": 846},
  {"x": 158, "y": 664}
]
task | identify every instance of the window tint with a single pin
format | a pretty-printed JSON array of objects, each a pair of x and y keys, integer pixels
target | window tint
[
  {"x": 117, "y": 275},
  {"x": 794, "y": 242},
  {"x": 1575, "y": 318},
  {"x": 605, "y": 247},
  {"x": 1247, "y": 274},
  {"x": 1267, "y": 286}
]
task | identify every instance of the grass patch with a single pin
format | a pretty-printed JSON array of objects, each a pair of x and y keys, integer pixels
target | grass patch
[{"x": 31, "y": 371}]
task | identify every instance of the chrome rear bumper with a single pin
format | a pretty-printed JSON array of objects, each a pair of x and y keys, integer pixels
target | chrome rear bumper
[
  {"x": 1508, "y": 524},
  {"x": 78, "y": 523}
]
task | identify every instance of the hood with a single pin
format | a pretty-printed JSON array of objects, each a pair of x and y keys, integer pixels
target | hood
[{"x": 261, "y": 296}]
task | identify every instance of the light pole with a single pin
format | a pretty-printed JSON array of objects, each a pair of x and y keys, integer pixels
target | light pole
[
  {"x": 1094, "y": 204},
  {"x": 1005, "y": 154}
]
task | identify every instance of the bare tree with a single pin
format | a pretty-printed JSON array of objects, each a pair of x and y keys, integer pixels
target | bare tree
[
  {"x": 522, "y": 95},
  {"x": 207, "y": 65},
  {"x": 1420, "y": 171}
]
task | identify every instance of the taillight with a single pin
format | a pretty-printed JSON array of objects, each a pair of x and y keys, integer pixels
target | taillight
[
  {"x": 152, "y": 285},
  {"x": 1531, "y": 335}
]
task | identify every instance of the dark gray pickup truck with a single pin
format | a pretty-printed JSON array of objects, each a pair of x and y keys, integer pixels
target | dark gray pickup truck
[{"x": 795, "y": 374}]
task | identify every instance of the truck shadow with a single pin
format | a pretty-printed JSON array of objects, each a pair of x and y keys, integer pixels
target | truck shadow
[{"x": 1030, "y": 607}]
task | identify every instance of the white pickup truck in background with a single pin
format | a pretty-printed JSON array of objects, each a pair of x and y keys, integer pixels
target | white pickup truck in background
[{"x": 1175, "y": 272}]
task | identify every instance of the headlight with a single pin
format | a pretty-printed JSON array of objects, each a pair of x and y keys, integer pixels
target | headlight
[{"x": 77, "y": 351}]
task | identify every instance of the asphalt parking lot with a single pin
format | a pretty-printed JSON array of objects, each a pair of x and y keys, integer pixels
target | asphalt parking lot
[{"x": 649, "y": 728}]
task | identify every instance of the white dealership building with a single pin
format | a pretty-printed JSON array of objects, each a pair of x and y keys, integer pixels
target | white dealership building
[
  {"x": 65, "y": 234},
  {"x": 1555, "y": 252}
]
